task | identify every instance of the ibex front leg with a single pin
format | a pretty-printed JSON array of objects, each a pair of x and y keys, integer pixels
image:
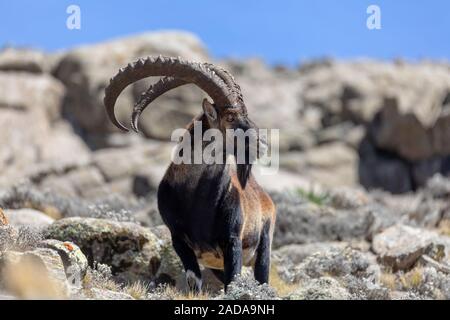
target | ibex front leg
[
  {"x": 232, "y": 259},
  {"x": 232, "y": 245}
]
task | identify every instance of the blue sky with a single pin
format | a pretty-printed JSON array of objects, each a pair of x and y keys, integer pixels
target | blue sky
[{"x": 277, "y": 31}]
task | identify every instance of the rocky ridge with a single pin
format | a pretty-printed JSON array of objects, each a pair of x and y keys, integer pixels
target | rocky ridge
[{"x": 362, "y": 193}]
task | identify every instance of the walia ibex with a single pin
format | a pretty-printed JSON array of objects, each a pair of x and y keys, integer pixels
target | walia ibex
[{"x": 217, "y": 214}]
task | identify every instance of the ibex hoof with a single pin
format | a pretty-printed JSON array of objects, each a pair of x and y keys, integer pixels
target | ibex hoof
[{"x": 194, "y": 283}]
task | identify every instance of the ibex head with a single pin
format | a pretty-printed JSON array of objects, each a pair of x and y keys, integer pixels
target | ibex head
[{"x": 228, "y": 111}]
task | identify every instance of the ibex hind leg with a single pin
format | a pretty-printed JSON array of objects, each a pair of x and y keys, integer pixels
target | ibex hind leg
[
  {"x": 262, "y": 262},
  {"x": 190, "y": 264}
]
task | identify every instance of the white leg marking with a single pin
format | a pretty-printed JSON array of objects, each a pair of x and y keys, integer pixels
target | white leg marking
[{"x": 193, "y": 281}]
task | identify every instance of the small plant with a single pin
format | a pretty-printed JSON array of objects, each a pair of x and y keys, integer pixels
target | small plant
[
  {"x": 28, "y": 238},
  {"x": 314, "y": 196},
  {"x": 168, "y": 292},
  {"x": 100, "y": 277}
]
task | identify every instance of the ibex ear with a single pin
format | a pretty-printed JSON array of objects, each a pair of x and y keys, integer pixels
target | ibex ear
[{"x": 209, "y": 110}]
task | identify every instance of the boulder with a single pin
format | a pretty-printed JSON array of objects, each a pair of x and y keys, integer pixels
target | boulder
[
  {"x": 74, "y": 261},
  {"x": 400, "y": 246},
  {"x": 49, "y": 202},
  {"x": 302, "y": 221},
  {"x": 378, "y": 170},
  {"x": 43, "y": 96},
  {"x": 26, "y": 60},
  {"x": 332, "y": 164},
  {"x": 356, "y": 90},
  {"x": 438, "y": 186},
  {"x": 342, "y": 132},
  {"x": 415, "y": 133},
  {"x": 32, "y": 130},
  {"x": 37, "y": 274},
  {"x": 281, "y": 180},
  {"x": 133, "y": 252},
  {"x": 28, "y": 218},
  {"x": 116, "y": 163}
]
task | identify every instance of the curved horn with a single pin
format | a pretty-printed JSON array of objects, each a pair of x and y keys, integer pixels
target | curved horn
[
  {"x": 153, "y": 92},
  {"x": 190, "y": 72},
  {"x": 229, "y": 80},
  {"x": 168, "y": 83}
]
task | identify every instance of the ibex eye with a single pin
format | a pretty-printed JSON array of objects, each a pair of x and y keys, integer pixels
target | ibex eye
[{"x": 230, "y": 118}]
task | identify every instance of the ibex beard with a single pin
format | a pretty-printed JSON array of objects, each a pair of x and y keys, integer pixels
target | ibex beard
[{"x": 217, "y": 214}]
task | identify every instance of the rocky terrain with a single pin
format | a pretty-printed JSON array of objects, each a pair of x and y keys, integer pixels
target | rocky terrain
[{"x": 363, "y": 190}]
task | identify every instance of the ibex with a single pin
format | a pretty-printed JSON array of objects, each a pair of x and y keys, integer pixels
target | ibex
[{"x": 217, "y": 214}]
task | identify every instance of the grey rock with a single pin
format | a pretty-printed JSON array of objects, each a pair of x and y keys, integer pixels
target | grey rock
[
  {"x": 44, "y": 94},
  {"x": 75, "y": 262},
  {"x": 438, "y": 186},
  {"x": 133, "y": 252},
  {"x": 414, "y": 133},
  {"x": 28, "y": 217},
  {"x": 301, "y": 222},
  {"x": 378, "y": 170},
  {"x": 324, "y": 288},
  {"x": 32, "y": 129},
  {"x": 342, "y": 132},
  {"x": 400, "y": 246},
  {"x": 331, "y": 164},
  {"x": 32, "y": 61},
  {"x": 37, "y": 274}
]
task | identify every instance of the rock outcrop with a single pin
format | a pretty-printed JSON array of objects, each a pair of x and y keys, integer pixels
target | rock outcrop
[{"x": 362, "y": 192}]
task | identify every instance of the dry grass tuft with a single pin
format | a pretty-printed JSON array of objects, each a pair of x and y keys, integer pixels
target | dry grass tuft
[
  {"x": 282, "y": 287},
  {"x": 389, "y": 280},
  {"x": 138, "y": 290},
  {"x": 3, "y": 218},
  {"x": 413, "y": 279},
  {"x": 444, "y": 227}
]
